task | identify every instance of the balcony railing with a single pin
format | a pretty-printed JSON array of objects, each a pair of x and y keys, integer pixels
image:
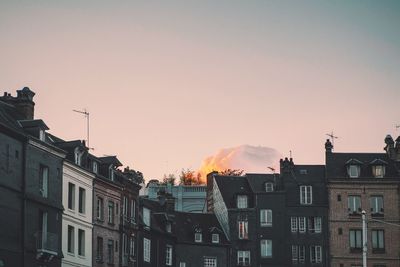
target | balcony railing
[{"x": 47, "y": 243}]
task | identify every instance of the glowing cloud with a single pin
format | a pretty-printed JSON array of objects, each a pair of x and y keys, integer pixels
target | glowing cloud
[{"x": 251, "y": 159}]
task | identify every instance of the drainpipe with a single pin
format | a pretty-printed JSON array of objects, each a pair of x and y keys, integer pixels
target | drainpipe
[
  {"x": 364, "y": 233},
  {"x": 24, "y": 149}
]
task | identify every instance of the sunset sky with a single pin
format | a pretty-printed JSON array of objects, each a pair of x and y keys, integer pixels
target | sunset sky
[{"x": 169, "y": 83}]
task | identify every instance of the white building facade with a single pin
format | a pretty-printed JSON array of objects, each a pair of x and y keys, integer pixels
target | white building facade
[{"x": 77, "y": 218}]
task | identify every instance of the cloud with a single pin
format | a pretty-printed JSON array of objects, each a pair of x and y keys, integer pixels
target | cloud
[{"x": 251, "y": 159}]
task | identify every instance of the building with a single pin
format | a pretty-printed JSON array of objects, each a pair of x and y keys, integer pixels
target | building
[
  {"x": 200, "y": 240},
  {"x": 306, "y": 211},
  {"x": 30, "y": 186},
  {"x": 77, "y": 218},
  {"x": 106, "y": 212},
  {"x": 188, "y": 198},
  {"x": 369, "y": 182}
]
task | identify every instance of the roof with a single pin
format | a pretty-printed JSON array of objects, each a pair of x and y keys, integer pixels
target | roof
[
  {"x": 110, "y": 160},
  {"x": 257, "y": 181},
  {"x": 336, "y": 164},
  {"x": 309, "y": 173},
  {"x": 230, "y": 186},
  {"x": 33, "y": 123},
  {"x": 186, "y": 223}
]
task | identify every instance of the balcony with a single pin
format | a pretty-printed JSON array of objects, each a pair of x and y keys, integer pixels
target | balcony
[{"x": 47, "y": 245}]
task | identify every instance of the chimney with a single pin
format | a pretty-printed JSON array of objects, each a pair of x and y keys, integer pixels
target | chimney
[
  {"x": 328, "y": 146},
  {"x": 166, "y": 200},
  {"x": 23, "y": 102},
  {"x": 286, "y": 165}
]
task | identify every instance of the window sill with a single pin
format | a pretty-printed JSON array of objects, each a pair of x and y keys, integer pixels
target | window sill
[
  {"x": 355, "y": 250},
  {"x": 82, "y": 257},
  {"x": 377, "y": 215},
  {"x": 266, "y": 225},
  {"x": 378, "y": 250}
]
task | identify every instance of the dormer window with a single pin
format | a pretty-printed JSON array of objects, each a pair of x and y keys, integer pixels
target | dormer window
[
  {"x": 215, "y": 238},
  {"x": 378, "y": 171},
  {"x": 111, "y": 173},
  {"x": 95, "y": 167},
  {"x": 269, "y": 187},
  {"x": 42, "y": 135},
  {"x": 198, "y": 237},
  {"x": 353, "y": 171},
  {"x": 168, "y": 227},
  {"x": 77, "y": 156},
  {"x": 242, "y": 202}
]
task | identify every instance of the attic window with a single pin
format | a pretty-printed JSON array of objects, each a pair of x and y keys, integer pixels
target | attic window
[
  {"x": 77, "y": 156},
  {"x": 111, "y": 173},
  {"x": 378, "y": 171},
  {"x": 353, "y": 171},
  {"x": 303, "y": 171},
  {"x": 168, "y": 227},
  {"x": 269, "y": 187},
  {"x": 198, "y": 237},
  {"x": 95, "y": 167},
  {"x": 42, "y": 135},
  {"x": 215, "y": 238},
  {"x": 241, "y": 202}
]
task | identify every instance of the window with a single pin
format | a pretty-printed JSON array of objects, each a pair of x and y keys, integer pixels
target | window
[
  {"x": 168, "y": 255},
  {"x": 215, "y": 238},
  {"x": 111, "y": 173},
  {"x": 266, "y": 248},
  {"x": 355, "y": 239},
  {"x": 298, "y": 254},
  {"x": 81, "y": 242},
  {"x": 378, "y": 171},
  {"x": 353, "y": 171},
  {"x": 316, "y": 254},
  {"x": 243, "y": 230},
  {"x": 110, "y": 212},
  {"x": 210, "y": 262},
  {"x": 376, "y": 203},
  {"x": 146, "y": 250},
  {"x": 243, "y": 258},
  {"x": 71, "y": 196},
  {"x": 314, "y": 224},
  {"x": 44, "y": 181},
  {"x": 198, "y": 237},
  {"x": 95, "y": 167},
  {"x": 125, "y": 248},
  {"x": 78, "y": 156},
  {"x": 302, "y": 224},
  {"x": 269, "y": 187},
  {"x": 132, "y": 246},
  {"x": 42, "y": 135},
  {"x": 241, "y": 202},
  {"x": 378, "y": 240},
  {"x": 125, "y": 207},
  {"x": 99, "y": 252},
  {"x": 293, "y": 224},
  {"x": 146, "y": 217},
  {"x": 110, "y": 251},
  {"x": 182, "y": 264},
  {"x": 99, "y": 210},
  {"x": 354, "y": 204},
  {"x": 266, "y": 217},
  {"x": 71, "y": 239},
  {"x": 305, "y": 194},
  {"x": 82, "y": 199},
  {"x": 133, "y": 210},
  {"x": 168, "y": 227}
]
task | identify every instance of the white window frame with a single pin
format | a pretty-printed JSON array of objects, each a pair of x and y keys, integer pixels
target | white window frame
[
  {"x": 146, "y": 250},
  {"x": 95, "y": 167},
  {"x": 133, "y": 210},
  {"x": 315, "y": 225},
  {"x": 77, "y": 156},
  {"x": 198, "y": 237},
  {"x": 302, "y": 224},
  {"x": 242, "y": 201},
  {"x": 243, "y": 258},
  {"x": 315, "y": 254},
  {"x": 266, "y": 218},
  {"x": 269, "y": 187},
  {"x": 306, "y": 195},
  {"x": 355, "y": 239},
  {"x": 266, "y": 248},
  {"x": 168, "y": 227},
  {"x": 295, "y": 253},
  {"x": 374, "y": 202},
  {"x": 215, "y": 238},
  {"x": 243, "y": 229},
  {"x": 168, "y": 255},
  {"x": 210, "y": 262},
  {"x": 302, "y": 254},
  {"x": 132, "y": 246},
  {"x": 44, "y": 181},
  {"x": 70, "y": 239},
  {"x": 352, "y": 203},
  {"x": 378, "y": 239},
  {"x": 42, "y": 135},
  {"x": 81, "y": 242},
  {"x": 182, "y": 264},
  {"x": 71, "y": 196},
  {"x": 353, "y": 171},
  {"x": 100, "y": 208},
  {"x": 293, "y": 224}
]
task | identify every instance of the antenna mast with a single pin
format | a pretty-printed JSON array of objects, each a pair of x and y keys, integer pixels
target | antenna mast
[
  {"x": 86, "y": 113},
  {"x": 333, "y": 137}
]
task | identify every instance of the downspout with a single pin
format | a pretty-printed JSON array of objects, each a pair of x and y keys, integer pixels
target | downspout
[{"x": 24, "y": 150}]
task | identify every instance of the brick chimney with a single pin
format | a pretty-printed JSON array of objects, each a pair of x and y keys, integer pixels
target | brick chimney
[
  {"x": 23, "y": 102},
  {"x": 328, "y": 146},
  {"x": 392, "y": 148}
]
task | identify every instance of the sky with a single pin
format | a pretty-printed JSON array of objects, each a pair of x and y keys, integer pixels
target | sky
[{"x": 169, "y": 84}]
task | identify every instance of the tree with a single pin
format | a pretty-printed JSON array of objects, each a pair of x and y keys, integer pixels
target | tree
[
  {"x": 168, "y": 179},
  {"x": 189, "y": 177},
  {"x": 231, "y": 172}
]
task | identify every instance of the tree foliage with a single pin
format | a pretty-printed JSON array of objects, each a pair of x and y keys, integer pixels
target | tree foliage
[
  {"x": 169, "y": 179},
  {"x": 231, "y": 172},
  {"x": 189, "y": 177}
]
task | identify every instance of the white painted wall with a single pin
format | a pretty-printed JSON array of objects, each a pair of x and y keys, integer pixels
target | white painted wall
[{"x": 81, "y": 179}]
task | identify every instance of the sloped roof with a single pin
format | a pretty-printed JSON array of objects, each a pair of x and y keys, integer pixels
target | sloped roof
[{"x": 230, "y": 186}]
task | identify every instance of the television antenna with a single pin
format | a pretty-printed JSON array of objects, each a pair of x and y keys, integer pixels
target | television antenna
[
  {"x": 333, "y": 137},
  {"x": 397, "y": 126},
  {"x": 86, "y": 114}
]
